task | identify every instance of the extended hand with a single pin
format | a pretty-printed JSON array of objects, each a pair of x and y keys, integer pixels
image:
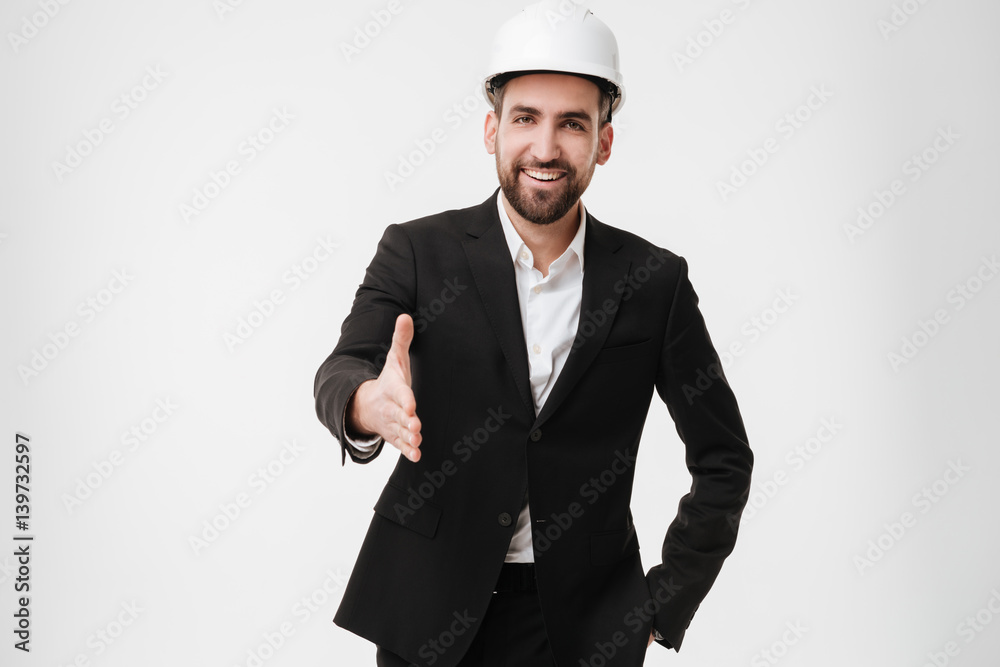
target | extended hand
[{"x": 386, "y": 405}]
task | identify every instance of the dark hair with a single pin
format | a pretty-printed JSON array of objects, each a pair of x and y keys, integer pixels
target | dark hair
[{"x": 609, "y": 92}]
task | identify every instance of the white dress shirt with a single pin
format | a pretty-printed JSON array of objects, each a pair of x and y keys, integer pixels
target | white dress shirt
[{"x": 550, "y": 314}]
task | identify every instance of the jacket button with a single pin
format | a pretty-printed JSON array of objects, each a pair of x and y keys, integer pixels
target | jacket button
[
  {"x": 536, "y": 435},
  {"x": 503, "y": 519}
]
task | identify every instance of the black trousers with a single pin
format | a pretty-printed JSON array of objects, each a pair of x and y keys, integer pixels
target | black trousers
[{"x": 512, "y": 633}]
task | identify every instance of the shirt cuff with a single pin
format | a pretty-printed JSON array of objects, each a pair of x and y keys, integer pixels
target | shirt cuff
[{"x": 363, "y": 448}]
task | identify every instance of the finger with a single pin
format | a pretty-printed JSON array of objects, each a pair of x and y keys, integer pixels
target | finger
[
  {"x": 414, "y": 437},
  {"x": 410, "y": 423},
  {"x": 399, "y": 424},
  {"x": 411, "y": 453},
  {"x": 408, "y": 430},
  {"x": 405, "y": 400},
  {"x": 402, "y": 336}
]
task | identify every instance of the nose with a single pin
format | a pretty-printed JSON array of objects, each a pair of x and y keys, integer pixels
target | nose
[{"x": 545, "y": 146}]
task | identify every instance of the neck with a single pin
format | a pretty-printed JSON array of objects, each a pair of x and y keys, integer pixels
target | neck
[{"x": 546, "y": 242}]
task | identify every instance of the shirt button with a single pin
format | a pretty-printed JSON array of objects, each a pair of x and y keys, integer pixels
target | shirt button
[
  {"x": 503, "y": 519},
  {"x": 536, "y": 435},
  {"x": 524, "y": 254},
  {"x": 536, "y": 349},
  {"x": 538, "y": 289}
]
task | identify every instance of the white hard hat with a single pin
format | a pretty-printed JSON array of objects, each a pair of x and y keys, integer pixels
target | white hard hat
[{"x": 551, "y": 37}]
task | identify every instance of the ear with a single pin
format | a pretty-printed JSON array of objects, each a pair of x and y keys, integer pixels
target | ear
[
  {"x": 490, "y": 132},
  {"x": 605, "y": 137}
]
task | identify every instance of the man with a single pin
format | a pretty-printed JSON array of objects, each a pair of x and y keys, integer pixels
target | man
[{"x": 527, "y": 338}]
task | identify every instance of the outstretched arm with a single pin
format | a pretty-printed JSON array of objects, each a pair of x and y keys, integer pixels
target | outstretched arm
[{"x": 362, "y": 390}]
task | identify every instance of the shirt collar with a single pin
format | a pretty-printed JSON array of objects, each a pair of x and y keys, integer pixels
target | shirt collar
[{"x": 515, "y": 243}]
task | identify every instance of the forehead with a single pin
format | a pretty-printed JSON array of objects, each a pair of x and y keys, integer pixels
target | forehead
[{"x": 553, "y": 93}]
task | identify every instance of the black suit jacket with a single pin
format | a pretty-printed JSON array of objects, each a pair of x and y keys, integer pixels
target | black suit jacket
[{"x": 442, "y": 526}]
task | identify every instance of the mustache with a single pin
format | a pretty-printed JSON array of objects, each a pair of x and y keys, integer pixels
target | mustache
[{"x": 551, "y": 164}]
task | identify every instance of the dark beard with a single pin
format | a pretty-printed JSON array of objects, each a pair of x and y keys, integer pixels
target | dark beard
[{"x": 540, "y": 206}]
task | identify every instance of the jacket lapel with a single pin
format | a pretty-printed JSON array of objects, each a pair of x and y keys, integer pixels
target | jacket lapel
[
  {"x": 602, "y": 270},
  {"x": 493, "y": 272}
]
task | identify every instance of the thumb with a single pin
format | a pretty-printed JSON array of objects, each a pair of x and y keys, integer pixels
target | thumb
[{"x": 401, "y": 339}]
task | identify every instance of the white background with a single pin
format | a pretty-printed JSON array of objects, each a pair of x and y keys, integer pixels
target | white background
[{"x": 685, "y": 126}]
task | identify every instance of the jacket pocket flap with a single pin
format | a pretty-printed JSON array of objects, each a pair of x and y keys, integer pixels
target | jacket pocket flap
[
  {"x": 611, "y": 546},
  {"x": 414, "y": 513},
  {"x": 620, "y": 353}
]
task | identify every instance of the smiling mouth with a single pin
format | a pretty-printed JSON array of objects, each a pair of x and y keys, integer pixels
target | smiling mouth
[{"x": 544, "y": 176}]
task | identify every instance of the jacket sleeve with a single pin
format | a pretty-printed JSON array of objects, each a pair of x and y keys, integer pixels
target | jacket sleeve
[
  {"x": 691, "y": 382},
  {"x": 389, "y": 289}
]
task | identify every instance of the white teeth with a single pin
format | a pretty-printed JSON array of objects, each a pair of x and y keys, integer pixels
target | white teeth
[{"x": 541, "y": 175}]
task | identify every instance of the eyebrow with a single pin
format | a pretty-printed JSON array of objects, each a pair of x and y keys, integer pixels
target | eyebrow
[{"x": 564, "y": 115}]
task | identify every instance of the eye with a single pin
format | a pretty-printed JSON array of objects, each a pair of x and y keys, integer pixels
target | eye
[
  {"x": 573, "y": 125},
  {"x": 517, "y": 121}
]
